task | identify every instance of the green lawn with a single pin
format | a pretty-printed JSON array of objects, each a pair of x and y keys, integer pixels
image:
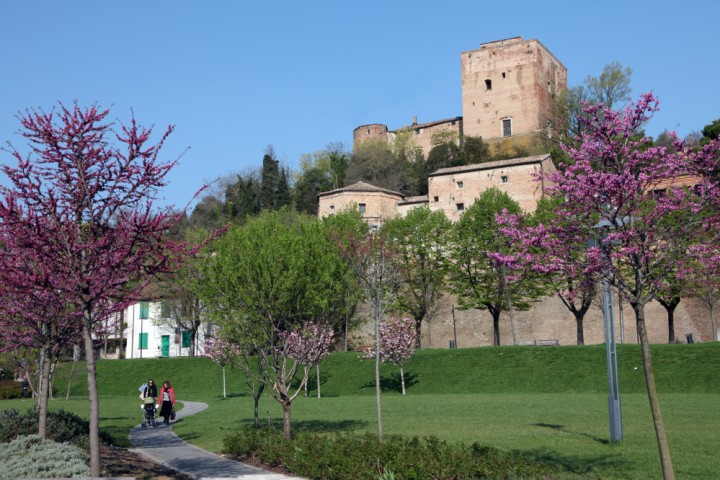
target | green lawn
[{"x": 548, "y": 403}]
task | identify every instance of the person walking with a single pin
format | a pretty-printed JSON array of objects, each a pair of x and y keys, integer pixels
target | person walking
[
  {"x": 150, "y": 390},
  {"x": 167, "y": 396}
]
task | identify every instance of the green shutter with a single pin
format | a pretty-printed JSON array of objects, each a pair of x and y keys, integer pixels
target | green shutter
[
  {"x": 165, "y": 309},
  {"x": 143, "y": 341},
  {"x": 144, "y": 310},
  {"x": 185, "y": 338}
]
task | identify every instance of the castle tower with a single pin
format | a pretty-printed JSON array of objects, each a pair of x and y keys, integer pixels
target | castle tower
[{"x": 508, "y": 87}]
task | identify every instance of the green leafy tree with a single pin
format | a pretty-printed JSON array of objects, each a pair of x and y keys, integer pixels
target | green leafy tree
[
  {"x": 319, "y": 172},
  {"x": 419, "y": 241},
  {"x": 478, "y": 278},
  {"x": 267, "y": 280},
  {"x": 374, "y": 162}
]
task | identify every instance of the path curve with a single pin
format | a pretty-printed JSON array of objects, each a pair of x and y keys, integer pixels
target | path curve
[{"x": 162, "y": 445}]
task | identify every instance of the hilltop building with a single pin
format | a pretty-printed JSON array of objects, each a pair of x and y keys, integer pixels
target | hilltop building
[{"x": 507, "y": 92}]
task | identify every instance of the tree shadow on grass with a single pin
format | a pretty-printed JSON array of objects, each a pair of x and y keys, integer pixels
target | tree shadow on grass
[
  {"x": 312, "y": 426},
  {"x": 587, "y": 467},
  {"x": 393, "y": 382},
  {"x": 561, "y": 428}
]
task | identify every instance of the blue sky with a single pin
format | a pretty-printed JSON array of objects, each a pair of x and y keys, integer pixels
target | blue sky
[{"x": 235, "y": 77}]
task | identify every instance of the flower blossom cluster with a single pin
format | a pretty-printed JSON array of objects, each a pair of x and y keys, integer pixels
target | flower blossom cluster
[
  {"x": 397, "y": 341},
  {"x": 307, "y": 344}
]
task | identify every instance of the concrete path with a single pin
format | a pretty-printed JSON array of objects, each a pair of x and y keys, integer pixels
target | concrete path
[{"x": 163, "y": 446}]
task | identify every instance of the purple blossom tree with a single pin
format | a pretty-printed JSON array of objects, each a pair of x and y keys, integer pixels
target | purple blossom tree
[
  {"x": 79, "y": 214},
  {"x": 397, "y": 344},
  {"x": 223, "y": 353},
  {"x": 629, "y": 194}
]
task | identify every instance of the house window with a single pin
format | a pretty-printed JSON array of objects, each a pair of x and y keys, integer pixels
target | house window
[
  {"x": 144, "y": 310},
  {"x": 488, "y": 85},
  {"x": 504, "y": 178},
  {"x": 362, "y": 207},
  {"x": 459, "y": 207},
  {"x": 436, "y": 199},
  {"x": 143, "y": 341},
  {"x": 417, "y": 131},
  {"x": 459, "y": 184},
  {"x": 332, "y": 209},
  {"x": 503, "y": 74},
  {"x": 506, "y": 127},
  {"x": 165, "y": 309},
  {"x": 185, "y": 339},
  {"x": 368, "y": 131}
]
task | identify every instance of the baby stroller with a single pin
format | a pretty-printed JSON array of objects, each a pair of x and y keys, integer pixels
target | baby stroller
[{"x": 148, "y": 412}]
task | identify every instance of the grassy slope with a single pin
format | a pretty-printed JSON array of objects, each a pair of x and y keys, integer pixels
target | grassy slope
[
  {"x": 543, "y": 402},
  {"x": 678, "y": 369}
]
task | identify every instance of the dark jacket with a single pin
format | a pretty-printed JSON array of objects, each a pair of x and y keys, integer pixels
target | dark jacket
[{"x": 150, "y": 391}]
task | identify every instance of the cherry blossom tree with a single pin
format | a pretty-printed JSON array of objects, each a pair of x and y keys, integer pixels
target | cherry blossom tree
[
  {"x": 630, "y": 195},
  {"x": 397, "y": 344},
  {"x": 223, "y": 353},
  {"x": 80, "y": 206},
  {"x": 373, "y": 262}
]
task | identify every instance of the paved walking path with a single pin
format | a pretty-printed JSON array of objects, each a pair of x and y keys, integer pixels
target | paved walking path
[{"x": 163, "y": 446}]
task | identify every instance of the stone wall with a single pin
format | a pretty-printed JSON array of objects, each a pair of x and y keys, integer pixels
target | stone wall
[{"x": 548, "y": 320}]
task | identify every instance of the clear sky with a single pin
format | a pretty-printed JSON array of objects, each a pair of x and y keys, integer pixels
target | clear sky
[{"x": 237, "y": 76}]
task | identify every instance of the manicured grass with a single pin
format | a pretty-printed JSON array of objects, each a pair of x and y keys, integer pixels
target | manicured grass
[{"x": 548, "y": 403}]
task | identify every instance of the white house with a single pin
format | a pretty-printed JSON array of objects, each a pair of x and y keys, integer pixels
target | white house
[{"x": 151, "y": 333}]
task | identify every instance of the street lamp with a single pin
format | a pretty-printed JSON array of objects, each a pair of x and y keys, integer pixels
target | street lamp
[{"x": 614, "y": 408}]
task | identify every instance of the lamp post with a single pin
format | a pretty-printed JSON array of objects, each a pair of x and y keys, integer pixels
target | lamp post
[{"x": 614, "y": 407}]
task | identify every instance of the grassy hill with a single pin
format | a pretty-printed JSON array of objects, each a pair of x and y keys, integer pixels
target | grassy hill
[{"x": 682, "y": 368}]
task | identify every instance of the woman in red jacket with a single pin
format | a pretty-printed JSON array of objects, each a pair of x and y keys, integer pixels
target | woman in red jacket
[{"x": 167, "y": 397}]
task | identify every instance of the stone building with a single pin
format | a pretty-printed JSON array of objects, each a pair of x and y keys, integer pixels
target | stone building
[
  {"x": 374, "y": 203},
  {"x": 507, "y": 91}
]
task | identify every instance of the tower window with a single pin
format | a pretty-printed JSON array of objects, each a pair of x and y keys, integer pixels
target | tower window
[
  {"x": 503, "y": 74},
  {"x": 460, "y": 207},
  {"x": 368, "y": 131},
  {"x": 362, "y": 208},
  {"x": 488, "y": 84},
  {"x": 506, "y": 127},
  {"x": 332, "y": 209},
  {"x": 504, "y": 179},
  {"x": 435, "y": 199},
  {"x": 459, "y": 184}
]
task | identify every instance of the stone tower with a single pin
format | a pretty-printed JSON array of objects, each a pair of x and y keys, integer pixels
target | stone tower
[{"x": 507, "y": 89}]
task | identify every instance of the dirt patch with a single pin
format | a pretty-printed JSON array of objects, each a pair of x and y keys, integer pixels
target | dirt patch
[{"x": 120, "y": 462}]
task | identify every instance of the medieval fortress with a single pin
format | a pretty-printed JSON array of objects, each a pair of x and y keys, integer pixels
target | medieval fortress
[{"x": 507, "y": 92}]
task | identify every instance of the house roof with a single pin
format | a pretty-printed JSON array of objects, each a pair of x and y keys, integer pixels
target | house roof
[
  {"x": 429, "y": 124},
  {"x": 511, "y": 162},
  {"x": 411, "y": 200},
  {"x": 360, "y": 187}
]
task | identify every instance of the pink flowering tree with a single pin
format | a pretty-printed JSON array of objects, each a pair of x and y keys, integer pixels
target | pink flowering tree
[
  {"x": 223, "y": 353},
  {"x": 78, "y": 213},
  {"x": 537, "y": 247},
  {"x": 631, "y": 196},
  {"x": 397, "y": 344}
]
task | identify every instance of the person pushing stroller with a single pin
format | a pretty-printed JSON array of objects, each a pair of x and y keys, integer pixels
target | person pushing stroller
[{"x": 149, "y": 393}]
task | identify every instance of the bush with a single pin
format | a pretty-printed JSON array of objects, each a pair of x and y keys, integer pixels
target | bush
[
  {"x": 31, "y": 457},
  {"x": 351, "y": 457},
  {"x": 62, "y": 426},
  {"x": 10, "y": 389}
]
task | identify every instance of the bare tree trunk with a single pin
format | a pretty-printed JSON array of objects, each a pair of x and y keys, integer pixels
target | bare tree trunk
[
  {"x": 665, "y": 459},
  {"x": 402, "y": 380},
  {"x": 72, "y": 370},
  {"x": 224, "y": 389},
  {"x": 317, "y": 372},
  {"x": 579, "y": 328},
  {"x": 43, "y": 396},
  {"x": 496, "y": 328},
  {"x": 377, "y": 374},
  {"x": 287, "y": 433},
  {"x": 94, "y": 419},
  {"x": 256, "y": 398}
]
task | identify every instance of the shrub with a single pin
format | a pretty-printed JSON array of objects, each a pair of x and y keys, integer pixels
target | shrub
[
  {"x": 31, "y": 457},
  {"x": 10, "y": 389},
  {"x": 62, "y": 426},
  {"x": 352, "y": 457}
]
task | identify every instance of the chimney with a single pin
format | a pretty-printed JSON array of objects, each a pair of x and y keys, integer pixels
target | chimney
[{"x": 414, "y": 121}]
